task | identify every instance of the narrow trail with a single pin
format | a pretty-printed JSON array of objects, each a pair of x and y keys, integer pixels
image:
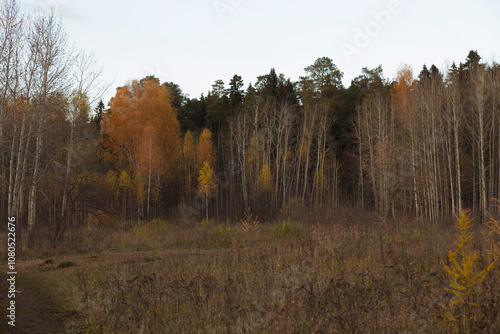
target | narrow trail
[{"x": 33, "y": 315}]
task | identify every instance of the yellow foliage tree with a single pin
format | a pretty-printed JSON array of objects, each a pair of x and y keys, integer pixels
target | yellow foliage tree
[
  {"x": 125, "y": 182},
  {"x": 463, "y": 278},
  {"x": 265, "y": 178},
  {"x": 207, "y": 183}
]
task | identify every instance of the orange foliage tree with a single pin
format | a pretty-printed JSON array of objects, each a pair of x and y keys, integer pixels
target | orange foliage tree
[
  {"x": 402, "y": 89},
  {"x": 206, "y": 149},
  {"x": 142, "y": 133}
]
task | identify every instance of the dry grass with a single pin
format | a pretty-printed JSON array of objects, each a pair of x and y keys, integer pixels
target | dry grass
[{"x": 350, "y": 274}]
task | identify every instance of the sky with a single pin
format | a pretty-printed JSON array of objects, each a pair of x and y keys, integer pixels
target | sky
[{"x": 196, "y": 42}]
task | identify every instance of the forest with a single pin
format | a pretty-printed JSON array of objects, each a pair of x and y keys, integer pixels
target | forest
[
  {"x": 416, "y": 150},
  {"x": 421, "y": 145}
]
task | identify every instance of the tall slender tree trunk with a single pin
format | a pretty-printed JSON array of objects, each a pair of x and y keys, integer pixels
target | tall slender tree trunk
[
  {"x": 456, "y": 135},
  {"x": 482, "y": 175},
  {"x": 63, "y": 214},
  {"x": 34, "y": 184},
  {"x": 361, "y": 177},
  {"x": 414, "y": 169}
]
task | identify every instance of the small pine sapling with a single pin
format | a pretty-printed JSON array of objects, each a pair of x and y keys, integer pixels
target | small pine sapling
[
  {"x": 463, "y": 278},
  {"x": 249, "y": 223}
]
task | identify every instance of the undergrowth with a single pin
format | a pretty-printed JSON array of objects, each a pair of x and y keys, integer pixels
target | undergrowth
[{"x": 347, "y": 274}]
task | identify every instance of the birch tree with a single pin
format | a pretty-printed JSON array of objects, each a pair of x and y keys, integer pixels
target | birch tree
[
  {"x": 11, "y": 38},
  {"x": 480, "y": 123},
  {"x": 85, "y": 82},
  {"x": 47, "y": 41}
]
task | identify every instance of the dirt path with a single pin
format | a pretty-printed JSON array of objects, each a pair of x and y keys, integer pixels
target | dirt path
[{"x": 33, "y": 315}]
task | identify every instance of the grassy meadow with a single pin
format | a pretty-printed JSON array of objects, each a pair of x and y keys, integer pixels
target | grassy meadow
[{"x": 340, "y": 272}]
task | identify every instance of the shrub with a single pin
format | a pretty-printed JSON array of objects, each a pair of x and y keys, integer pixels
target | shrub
[{"x": 66, "y": 264}]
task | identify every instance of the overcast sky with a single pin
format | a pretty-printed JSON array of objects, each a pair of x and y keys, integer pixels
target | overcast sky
[{"x": 195, "y": 42}]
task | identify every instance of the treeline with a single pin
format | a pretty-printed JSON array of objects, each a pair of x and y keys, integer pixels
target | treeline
[{"x": 425, "y": 145}]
